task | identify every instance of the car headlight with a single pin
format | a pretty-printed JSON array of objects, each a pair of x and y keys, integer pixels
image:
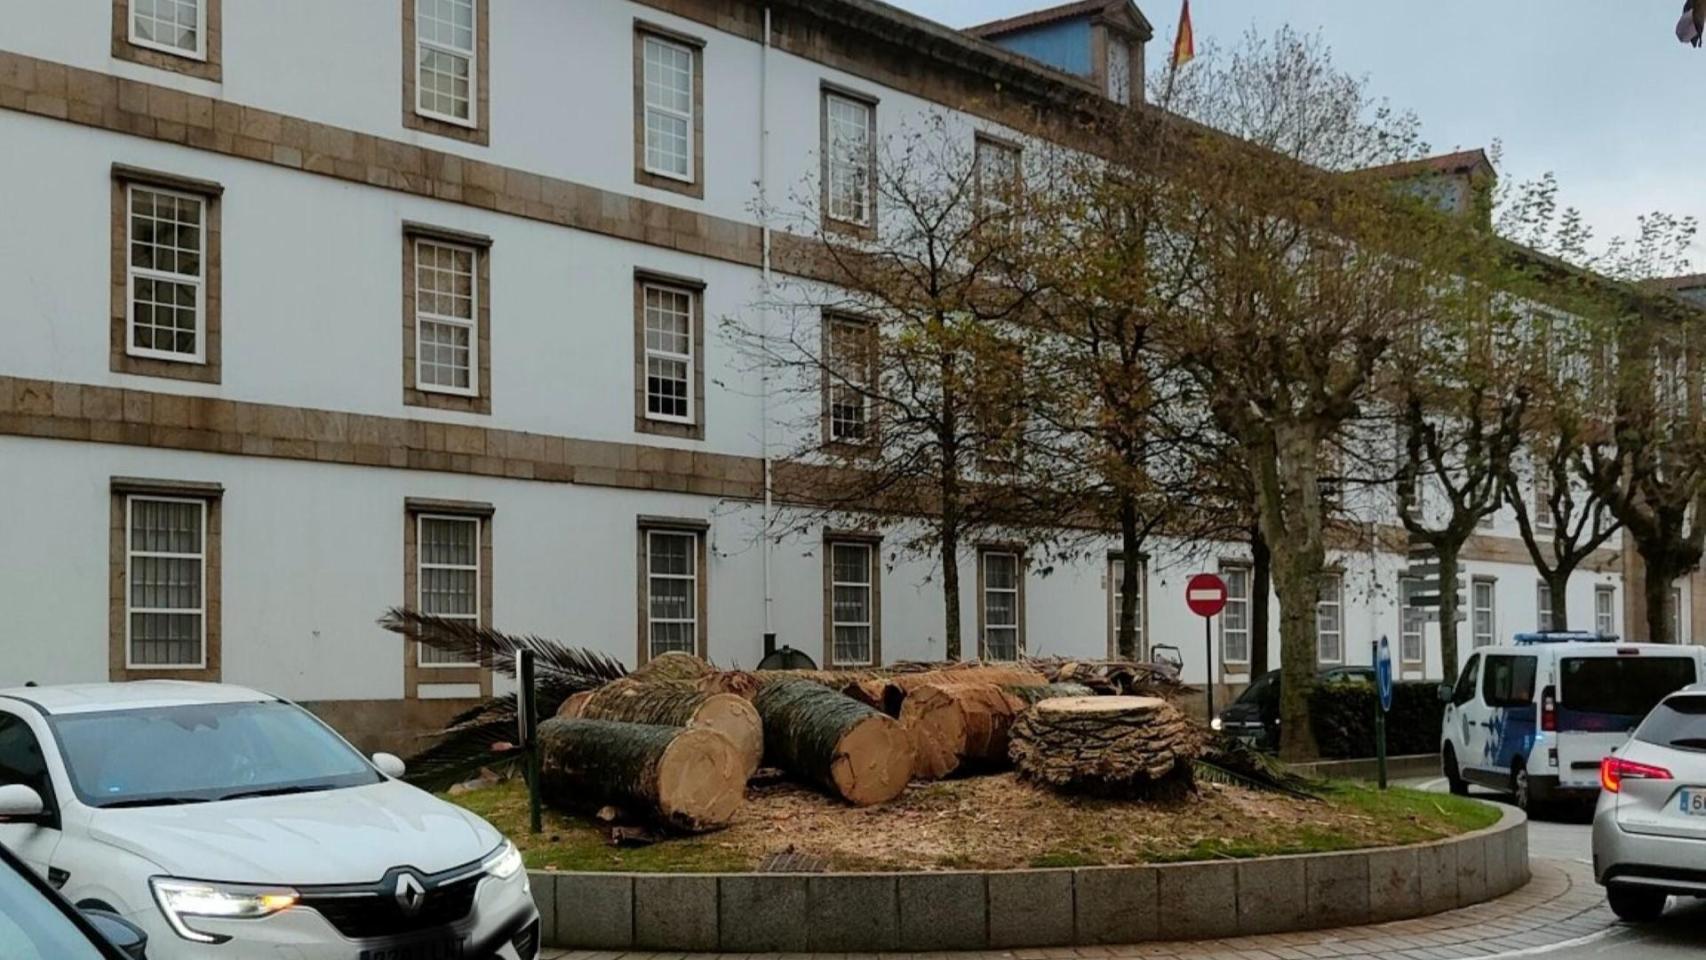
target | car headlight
[
  {"x": 504, "y": 863},
  {"x": 184, "y": 900},
  {"x": 1215, "y": 724}
]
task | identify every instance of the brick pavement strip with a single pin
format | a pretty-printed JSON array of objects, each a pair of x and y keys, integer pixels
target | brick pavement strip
[{"x": 1560, "y": 904}]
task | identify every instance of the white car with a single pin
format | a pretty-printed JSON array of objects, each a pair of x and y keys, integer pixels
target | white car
[{"x": 229, "y": 823}]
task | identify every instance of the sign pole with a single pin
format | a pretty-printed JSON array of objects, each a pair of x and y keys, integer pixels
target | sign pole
[
  {"x": 1205, "y": 594},
  {"x": 1208, "y": 659},
  {"x": 1383, "y": 703},
  {"x": 527, "y": 717}
]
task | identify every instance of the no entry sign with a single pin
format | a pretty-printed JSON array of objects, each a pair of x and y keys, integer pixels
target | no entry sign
[{"x": 1206, "y": 594}]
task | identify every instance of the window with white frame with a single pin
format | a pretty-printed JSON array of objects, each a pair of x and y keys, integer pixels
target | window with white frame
[
  {"x": 1543, "y": 604},
  {"x": 998, "y": 174},
  {"x": 1605, "y": 610},
  {"x": 672, "y": 592},
  {"x": 167, "y": 242},
  {"x": 852, "y": 608},
  {"x": 1235, "y": 619},
  {"x": 1000, "y": 605},
  {"x": 1116, "y": 603},
  {"x": 847, "y": 142},
  {"x": 444, "y": 58},
  {"x": 849, "y": 380},
  {"x": 166, "y": 573},
  {"x": 1676, "y": 620},
  {"x": 1542, "y": 496},
  {"x": 1119, "y": 70},
  {"x": 1330, "y": 620},
  {"x": 668, "y": 107},
  {"x": 446, "y": 336},
  {"x": 1412, "y": 621},
  {"x": 669, "y": 353},
  {"x": 1481, "y": 612},
  {"x": 448, "y": 576},
  {"x": 175, "y": 26}
]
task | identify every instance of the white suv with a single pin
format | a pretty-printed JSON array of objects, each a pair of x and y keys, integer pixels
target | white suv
[{"x": 229, "y": 823}]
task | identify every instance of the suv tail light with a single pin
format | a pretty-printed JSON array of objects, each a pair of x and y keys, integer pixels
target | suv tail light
[
  {"x": 1549, "y": 710},
  {"x": 1614, "y": 770}
]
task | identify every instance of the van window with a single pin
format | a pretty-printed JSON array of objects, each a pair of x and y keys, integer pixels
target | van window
[
  {"x": 1465, "y": 691},
  {"x": 1509, "y": 681},
  {"x": 1621, "y": 686},
  {"x": 1678, "y": 723}
]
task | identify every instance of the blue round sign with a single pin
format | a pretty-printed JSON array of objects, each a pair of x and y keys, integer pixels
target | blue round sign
[{"x": 1383, "y": 673}]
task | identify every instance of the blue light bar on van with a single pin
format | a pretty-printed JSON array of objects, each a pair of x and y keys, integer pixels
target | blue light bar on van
[{"x": 1563, "y": 636}]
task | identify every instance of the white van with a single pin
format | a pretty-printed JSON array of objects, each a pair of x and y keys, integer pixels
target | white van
[{"x": 1535, "y": 717}]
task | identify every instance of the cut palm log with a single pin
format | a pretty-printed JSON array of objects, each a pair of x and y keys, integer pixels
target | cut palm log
[
  {"x": 689, "y": 779},
  {"x": 832, "y": 741},
  {"x": 681, "y": 667},
  {"x": 953, "y": 723},
  {"x": 1118, "y": 677},
  {"x": 898, "y": 687},
  {"x": 675, "y": 705},
  {"x": 1050, "y": 691},
  {"x": 738, "y": 682},
  {"x": 1140, "y": 747}
]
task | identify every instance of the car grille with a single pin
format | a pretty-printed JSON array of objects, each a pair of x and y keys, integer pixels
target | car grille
[{"x": 375, "y": 913}]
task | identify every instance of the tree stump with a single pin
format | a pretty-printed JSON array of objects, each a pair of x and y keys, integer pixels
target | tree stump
[
  {"x": 675, "y": 705},
  {"x": 685, "y": 779},
  {"x": 832, "y": 741},
  {"x": 1139, "y": 747}
]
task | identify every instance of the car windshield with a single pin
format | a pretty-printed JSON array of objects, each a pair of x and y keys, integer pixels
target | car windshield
[
  {"x": 201, "y": 752},
  {"x": 1622, "y": 686},
  {"x": 1678, "y": 723},
  {"x": 1259, "y": 690},
  {"x": 32, "y": 927}
]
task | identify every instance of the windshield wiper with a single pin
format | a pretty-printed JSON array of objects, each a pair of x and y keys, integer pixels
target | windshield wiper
[
  {"x": 274, "y": 792},
  {"x": 151, "y": 802},
  {"x": 1690, "y": 743}
]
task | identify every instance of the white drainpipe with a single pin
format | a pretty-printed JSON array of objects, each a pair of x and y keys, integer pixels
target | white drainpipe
[{"x": 764, "y": 319}]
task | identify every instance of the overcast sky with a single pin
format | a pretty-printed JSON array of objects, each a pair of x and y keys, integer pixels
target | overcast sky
[{"x": 1597, "y": 91}]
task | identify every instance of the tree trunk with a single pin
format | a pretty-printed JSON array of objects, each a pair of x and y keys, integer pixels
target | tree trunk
[
  {"x": 1558, "y": 586},
  {"x": 951, "y": 589},
  {"x": 675, "y": 705},
  {"x": 688, "y": 779},
  {"x": 1127, "y": 627},
  {"x": 1119, "y": 746},
  {"x": 952, "y": 724},
  {"x": 1448, "y": 654},
  {"x": 1657, "y": 586},
  {"x": 833, "y": 742},
  {"x": 1288, "y": 502},
  {"x": 1261, "y": 582}
]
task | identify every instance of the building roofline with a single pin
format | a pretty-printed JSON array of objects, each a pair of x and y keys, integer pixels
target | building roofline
[
  {"x": 1461, "y": 162},
  {"x": 1036, "y": 18}
]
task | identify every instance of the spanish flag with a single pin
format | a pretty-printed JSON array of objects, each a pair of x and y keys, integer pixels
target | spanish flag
[{"x": 1185, "y": 47}]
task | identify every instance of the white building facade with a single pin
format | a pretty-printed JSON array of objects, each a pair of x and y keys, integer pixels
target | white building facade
[{"x": 325, "y": 307}]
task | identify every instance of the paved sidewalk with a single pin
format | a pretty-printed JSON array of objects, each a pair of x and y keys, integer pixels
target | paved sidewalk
[{"x": 1560, "y": 905}]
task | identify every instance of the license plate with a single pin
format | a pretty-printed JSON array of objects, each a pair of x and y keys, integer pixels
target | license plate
[
  {"x": 1694, "y": 803},
  {"x": 442, "y": 949}
]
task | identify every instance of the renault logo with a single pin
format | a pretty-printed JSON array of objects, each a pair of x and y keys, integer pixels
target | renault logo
[{"x": 410, "y": 894}]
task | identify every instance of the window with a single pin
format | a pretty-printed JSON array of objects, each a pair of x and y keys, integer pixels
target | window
[
  {"x": 1543, "y": 603},
  {"x": 1329, "y": 620},
  {"x": 998, "y": 174},
  {"x": 445, "y": 57},
  {"x": 1605, "y": 610},
  {"x": 1116, "y": 604},
  {"x": 1542, "y": 496},
  {"x": 1676, "y": 621},
  {"x": 674, "y": 591},
  {"x": 669, "y": 353},
  {"x": 167, "y": 256},
  {"x": 1002, "y": 608},
  {"x": 177, "y": 35},
  {"x": 446, "y": 341},
  {"x": 1481, "y": 612},
  {"x": 1465, "y": 689},
  {"x": 1235, "y": 619},
  {"x": 669, "y": 108},
  {"x": 1508, "y": 681},
  {"x": 849, "y": 135},
  {"x": 1412, "y": 622},
  {"x": 849, "y": 374},
  {"x": 21, "y": 760},
  {"x": 1119, "y": 70},
  {"x": 449, "y": 577},
  {"x": 850, "y": 573},
  {"x": 175, "y": 26},
  {"x": 166, "y": 608}
]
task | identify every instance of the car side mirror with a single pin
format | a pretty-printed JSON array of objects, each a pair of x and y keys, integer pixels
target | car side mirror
[
  {"x": 121, "y": 933},
  {"x": 390, "y": 764},
  {"x": 1445, "y": 693},
  {"x": 20, "y": 804}
]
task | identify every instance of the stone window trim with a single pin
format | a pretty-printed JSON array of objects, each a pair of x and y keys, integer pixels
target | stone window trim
[
  {"x": 413, "y": 395},
  {"x": 870, "y": 446},
  {"x": 700, "y": 529},
  {"x": 1230, "y": 667},
  {"x": 1336, "y": 574},
  {"x": 864, "y": 538},
  {"x": 1102, "y": 31},
  {"x": 981, "y": 140},
  {"x": 415, "y": 675},
  {"x": 695, "y": 186},
  {"x": 118, "y": 653},
  {"x": 1118, "y": 557},
  {"x": 1022, "y": 567},
  {"x": 208, "y": 66},
  {"x": 480, "y": 130},
  {"x": 643, "y": 423},
  {"x": 120, "y": 360},
  {"x": 868, "y": 229}
]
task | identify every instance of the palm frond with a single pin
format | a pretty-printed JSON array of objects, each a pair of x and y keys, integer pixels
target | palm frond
[
  {"x": 1213, "y": 773},
  {"x": 1231, "y": 761},
  {"x": 462, "y": 754},
  {"x": 471, "y": 641}
]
